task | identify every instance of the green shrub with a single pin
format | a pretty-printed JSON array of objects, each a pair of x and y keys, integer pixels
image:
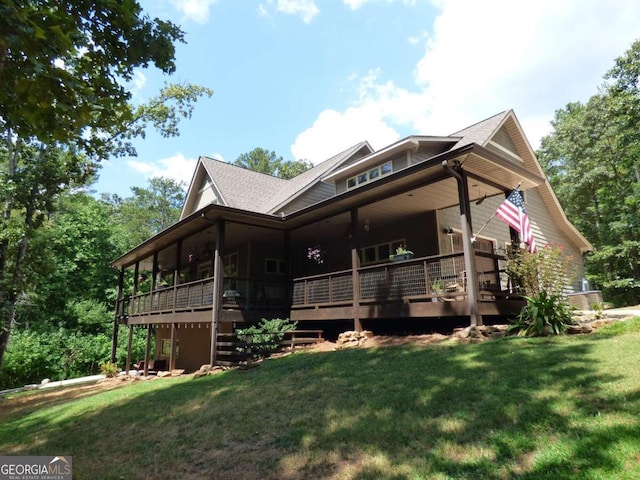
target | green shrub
[
  {"x": 544, "y": 314},
  {"x": 108, "y": 369},
  {"x": 546, "y": 270},
  {"x": 264, "y": 339}
]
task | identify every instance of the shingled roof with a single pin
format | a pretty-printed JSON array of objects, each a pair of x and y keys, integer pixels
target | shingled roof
[
  {"x": 261, "y": 193},
  {"x": 480, "y": 132}
]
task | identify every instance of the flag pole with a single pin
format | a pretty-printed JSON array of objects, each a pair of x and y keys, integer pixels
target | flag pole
[{"x": 474, "y": 237}]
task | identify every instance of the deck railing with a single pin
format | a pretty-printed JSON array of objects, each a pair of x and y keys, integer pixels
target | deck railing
[
  {"x": 428, "y": 277},
  {"x": 237, "y": 292}
]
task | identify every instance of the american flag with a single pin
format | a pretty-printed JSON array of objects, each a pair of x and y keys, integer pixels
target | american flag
[{"x": 512, "y": 211}]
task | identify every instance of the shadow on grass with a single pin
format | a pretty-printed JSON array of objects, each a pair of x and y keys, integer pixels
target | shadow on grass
[{"x": 507, "y": 409}]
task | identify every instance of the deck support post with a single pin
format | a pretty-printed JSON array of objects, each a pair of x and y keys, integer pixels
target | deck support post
[
  {"x": 129, "y": 345},
  {"x": 118, "y": 316},
  {"x": 473, "y": 293},
  {"x": 174, "y": 344},
  {"x": 355, "y": 265},
  {"x": 218, "y": 281},
  {"x": 147, "y": 351}
]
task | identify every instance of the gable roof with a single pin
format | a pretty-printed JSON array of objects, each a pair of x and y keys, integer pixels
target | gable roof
[
  {"x": 482, "y": 131},
  {"x": 246, "y": 189}
]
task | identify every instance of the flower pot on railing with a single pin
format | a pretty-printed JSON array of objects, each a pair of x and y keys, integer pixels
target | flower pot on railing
[{"x": 401, "y": 254}]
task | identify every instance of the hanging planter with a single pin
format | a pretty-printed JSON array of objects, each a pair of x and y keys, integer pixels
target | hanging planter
[{"x": 315, "y": 254}]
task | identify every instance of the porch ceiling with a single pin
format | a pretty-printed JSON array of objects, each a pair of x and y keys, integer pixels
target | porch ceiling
[{"x": 421, "y": 187}]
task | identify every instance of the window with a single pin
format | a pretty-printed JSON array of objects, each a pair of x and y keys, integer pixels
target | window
[
  {"x": 274, "y": 266},
  {"x": 370, "y": 175},
  {"x": 379, "y": 253}
]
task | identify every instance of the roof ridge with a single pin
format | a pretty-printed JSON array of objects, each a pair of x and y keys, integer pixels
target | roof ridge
[
  {"x": 456, "y": 133},
  {"x": 244, "y": 169}
]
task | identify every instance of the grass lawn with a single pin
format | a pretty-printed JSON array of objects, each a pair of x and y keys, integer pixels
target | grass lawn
[{"x": 561, "y": 408}]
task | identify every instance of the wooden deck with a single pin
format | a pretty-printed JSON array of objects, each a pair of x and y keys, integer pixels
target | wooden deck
[{"x": 434, "y": 286}]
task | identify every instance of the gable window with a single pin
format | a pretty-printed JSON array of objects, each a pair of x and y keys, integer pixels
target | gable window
[{"x": 370, "y": 175}]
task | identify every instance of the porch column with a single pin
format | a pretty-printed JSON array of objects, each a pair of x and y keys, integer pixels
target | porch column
[
  {"x": 473, "y": 292},
  {"x": 118, "y": 315},
  {"x": 218, "y": 282},
  {"x": 174, "y": 341},
  {"x": 286, "y": 254},
  {"x": 128, "y": 364},
  {"x": 355, "y": 264},
  {"x": 147, "y": 351},
  {"x": 154, "y": 278},
  {"x": 176, "y": 273}
]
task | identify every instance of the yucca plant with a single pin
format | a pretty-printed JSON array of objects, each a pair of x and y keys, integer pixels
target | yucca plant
[{"x": 545, "y": 314}]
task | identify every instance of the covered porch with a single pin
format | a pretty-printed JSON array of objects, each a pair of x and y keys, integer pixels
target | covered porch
[{"x": 225, "y": 268}]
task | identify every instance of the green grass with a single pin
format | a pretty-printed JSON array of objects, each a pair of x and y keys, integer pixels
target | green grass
[{"x": 561, "y": 408}]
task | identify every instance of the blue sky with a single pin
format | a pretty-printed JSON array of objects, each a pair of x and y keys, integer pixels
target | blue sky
[{"x": 309, "y": 78}]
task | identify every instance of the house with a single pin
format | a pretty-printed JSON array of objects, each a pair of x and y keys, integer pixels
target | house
[{"x": 317, "y": 248}]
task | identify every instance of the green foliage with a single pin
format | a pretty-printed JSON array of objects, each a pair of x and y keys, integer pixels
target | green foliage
[
  {"x": 108, "y": 369},
  {"x": 64, "y": 67},
  {"x": 591, "y": 159},
  {"x": 147, "y": 211},
  {"x": 62, "y": 353},
  {"x": 264, "y": 339},
  {"x": 545, "y": 314},
  {"x": 30, "y": 358},
  {"x": 264, "y": 161},
  {"x": 547, "y": 270}
]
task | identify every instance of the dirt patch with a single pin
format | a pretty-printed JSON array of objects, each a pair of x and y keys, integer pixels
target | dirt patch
[{"x": 30, "y": 401}]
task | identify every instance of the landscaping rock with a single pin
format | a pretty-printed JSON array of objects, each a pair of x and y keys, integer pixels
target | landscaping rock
[{"x": 351, "y": 339}]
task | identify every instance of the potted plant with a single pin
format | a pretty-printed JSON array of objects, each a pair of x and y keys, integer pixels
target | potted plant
[
  {"x": 437, "y": 286},
  {"x": 401, "y": 254}
]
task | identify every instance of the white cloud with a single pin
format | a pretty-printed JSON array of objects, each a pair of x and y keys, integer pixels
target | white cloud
[
  {"x": 333, "y": 132},
  {"x": 307, "y": 9},
  {"x": 196, "y": 10},
  {"x": 356, "y": 4},
  {"x": 177, "y": 167},
  {"x": 481, "y": 58}
]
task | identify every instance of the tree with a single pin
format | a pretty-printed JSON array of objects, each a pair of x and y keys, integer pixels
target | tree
[
  {"x": 264, "y": 161},
  {"x": 64, "y": 102},
  {"x": 149, "y": 211},
  {"x": 591, "y": 158},
  {"x": 64, "y": 66}
]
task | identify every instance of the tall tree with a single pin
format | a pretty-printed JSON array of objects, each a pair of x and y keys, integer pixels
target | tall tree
[
  {"x": 592, "y": 158},
  {"x": 64, "y": 67},
  {"x": 149, "y": 210},
  {"x": 265, "y": 161}
]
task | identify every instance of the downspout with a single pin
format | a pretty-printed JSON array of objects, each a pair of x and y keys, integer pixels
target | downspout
[{"x": 458, "y": 173}]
